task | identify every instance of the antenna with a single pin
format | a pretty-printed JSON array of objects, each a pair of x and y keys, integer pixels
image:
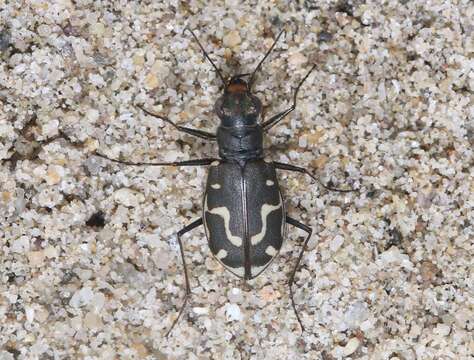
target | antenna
[
  {"x": 206, "y": 55},
  {"x": 266, "y": 55}
]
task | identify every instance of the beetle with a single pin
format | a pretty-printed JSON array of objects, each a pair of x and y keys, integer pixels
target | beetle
[{"x": 243, "y": 214}]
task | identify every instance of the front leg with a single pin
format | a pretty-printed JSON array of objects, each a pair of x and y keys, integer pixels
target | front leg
[
  {"x": 278, "y": 117},
  {"x": 290, "y": 167},
  {"x": 195, "y": 132}
]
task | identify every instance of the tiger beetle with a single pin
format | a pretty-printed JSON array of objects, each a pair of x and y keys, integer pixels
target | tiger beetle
[{"x": 244, "y": 214}]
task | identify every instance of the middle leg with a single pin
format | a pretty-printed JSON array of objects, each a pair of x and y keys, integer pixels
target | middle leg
[{"x": 192, "y": 162}]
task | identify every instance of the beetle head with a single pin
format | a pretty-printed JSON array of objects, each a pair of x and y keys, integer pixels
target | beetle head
[{"x": 238, "y": 106}]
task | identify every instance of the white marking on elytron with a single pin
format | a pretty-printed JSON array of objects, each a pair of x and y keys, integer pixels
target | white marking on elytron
[
  {"x": 255, "y": 270},
  {"x": 223, "y": 212},
  {"x": 264, "y": 212},
  {"x": 221, "y": 254},
  {"x": 283, "y": 227},
  {"x": 215, "y": 163},
  {"x": 206, "y": 230},
  {"x": 283, "y": 222},
  {"x": 268, "y": 161},
  {"x": 271, "y": 251},
  {"x": 216, "y": 186},
  {"x": 240, "y": 271},
  {"x": 270, "y": 183}
]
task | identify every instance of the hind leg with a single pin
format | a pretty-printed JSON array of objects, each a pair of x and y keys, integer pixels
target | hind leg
[
  {"x": 183, "y": 231},
  {"x": 309, "y": 231}
]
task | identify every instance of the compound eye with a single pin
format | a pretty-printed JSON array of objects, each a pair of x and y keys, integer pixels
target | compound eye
[
  {"x": 220, "y": 108},
  {"x": 253, "y": 107},
  {"x": 252, "y": 110},
  {"x": 226, "y": 111}
]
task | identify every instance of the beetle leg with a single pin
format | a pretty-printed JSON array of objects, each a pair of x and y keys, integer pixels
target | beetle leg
[
  {"x": 195, "y": 132},
  {"x": 309, "y": 231},
  {"x": 193, "y": 162},
  {"x": 183, "y": 231},
  {"x": 278, "y": 117},
  {"x": 290, "y": 167}
]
